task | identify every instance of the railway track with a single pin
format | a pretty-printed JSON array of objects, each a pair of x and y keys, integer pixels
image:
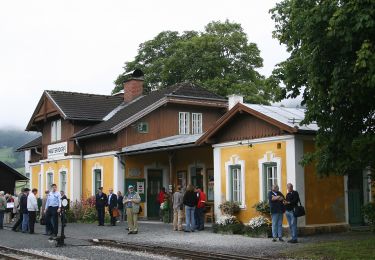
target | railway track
[
  {"x": 171, "y": 251},
  {"x": 17, "y": 254}
]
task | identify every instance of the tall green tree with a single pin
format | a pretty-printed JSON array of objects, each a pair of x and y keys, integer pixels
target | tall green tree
[
  {"x": 220, "y": 59},
  {"x": 332, "y": 62}
]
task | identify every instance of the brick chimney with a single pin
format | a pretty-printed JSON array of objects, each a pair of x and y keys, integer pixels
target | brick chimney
[{"x": 133, "y": 87}]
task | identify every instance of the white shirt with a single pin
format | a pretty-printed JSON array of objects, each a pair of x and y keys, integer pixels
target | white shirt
[{"x": 32, "y": 204}]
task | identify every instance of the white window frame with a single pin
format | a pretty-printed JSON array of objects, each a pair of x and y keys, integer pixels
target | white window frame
[
  {"x": 48, "y": 173},
  {"x": 97, "y": 167},
  {"x": 63, "y": 170},
  {"x": 56, "y": 130},
  {"x": 268, "y": 158},
  {"x": 197, "y": 122},
  {"x": 184, "y": 123},
  {"x": 235, "y": 161}
]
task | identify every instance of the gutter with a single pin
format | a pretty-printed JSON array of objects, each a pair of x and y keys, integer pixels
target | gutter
[{"x": 165, "y": 148}]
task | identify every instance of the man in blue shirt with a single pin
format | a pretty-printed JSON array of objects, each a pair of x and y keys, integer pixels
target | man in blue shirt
[
  {"x": 53, "y": 207},
  {"x": 275, "y": 199}
]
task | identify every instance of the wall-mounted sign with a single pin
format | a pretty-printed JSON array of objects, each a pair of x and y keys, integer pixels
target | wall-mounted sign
[
  {"x": 141, "y": 187},
  {"x": 134, "y": 173},
  {"x": 57, "y": 150}
]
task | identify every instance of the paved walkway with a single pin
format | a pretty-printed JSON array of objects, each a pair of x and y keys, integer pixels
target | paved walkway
[{"x": 159, "y": 234}]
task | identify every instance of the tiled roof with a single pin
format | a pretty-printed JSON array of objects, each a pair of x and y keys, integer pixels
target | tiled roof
[
  {"x": 171, "y": 141},
  {"x": 81, "y": 106},
  {"x": 145, "y": 105},
  {"x": 37, "y": 142},
  {"x": 289, "y": 116}
]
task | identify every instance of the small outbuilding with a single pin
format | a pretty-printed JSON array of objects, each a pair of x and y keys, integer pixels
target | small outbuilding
[{"x": 9, "y": 177}]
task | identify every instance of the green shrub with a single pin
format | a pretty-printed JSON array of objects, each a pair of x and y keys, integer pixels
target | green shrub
[
  {"x": 262, "y": 207},
  {"x": 229, "y": 208},
  {"x": 369, "y": 213},
  {"x": 82, "y": 211}
]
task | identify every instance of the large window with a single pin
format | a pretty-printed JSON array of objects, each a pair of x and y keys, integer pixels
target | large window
[
  {"x": 63, "y": 181},
  {"x": 235, "y": 183},
  {"x": 269, "y": 177},
  {"x": 56, "y": 130},
  {"x": 49, "y": 179},
  {"x": 197, "y": 123},
  {"x": 97, "y": 179},
  {"x": 184, "y": 123}
]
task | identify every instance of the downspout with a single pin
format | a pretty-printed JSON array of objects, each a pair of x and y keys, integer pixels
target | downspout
[
  {"x": 80, "y": 162},
  {"x": 36, "y": 151}
]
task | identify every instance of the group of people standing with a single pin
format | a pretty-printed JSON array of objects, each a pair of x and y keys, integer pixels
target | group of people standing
[
  {"x": 116, "y": 204},
  {"x": 28, "y": 209},
  {"x": 279, "y": 204},
  {"x": 194, "y": 200}
]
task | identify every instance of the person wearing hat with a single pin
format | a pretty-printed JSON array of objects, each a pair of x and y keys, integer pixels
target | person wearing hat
[
  {"x": 100, "y": 203},
  {"x": 132, "y": 201}
]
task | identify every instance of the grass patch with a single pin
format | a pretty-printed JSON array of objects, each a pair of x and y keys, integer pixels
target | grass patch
[
  {"x": 338, "y": 250},
  {"x": 6, "y": 155}
]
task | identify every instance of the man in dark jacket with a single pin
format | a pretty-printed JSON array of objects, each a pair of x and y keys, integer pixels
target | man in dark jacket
[
  {"x": 275, "y": 199},
  {"x": 291, "y": 201},
  {"x": 23, "y": 209},
  {"x": 100, "y": 203},
  {"x": 112, "y": 204}
]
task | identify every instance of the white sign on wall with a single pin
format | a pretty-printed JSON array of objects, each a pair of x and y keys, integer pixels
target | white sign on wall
[{"x": 57, "y": 150}]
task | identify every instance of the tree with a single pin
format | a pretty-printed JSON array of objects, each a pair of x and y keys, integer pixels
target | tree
[
  {"x": 332, "y": 62},
  {"x": 220, "y": 59}
]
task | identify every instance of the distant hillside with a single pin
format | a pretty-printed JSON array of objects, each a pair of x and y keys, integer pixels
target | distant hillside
[{"x": 11, "y": 139}]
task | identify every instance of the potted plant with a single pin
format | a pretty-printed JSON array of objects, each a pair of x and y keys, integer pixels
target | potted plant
[
  {"x": 259, "y": 226},
  {"x": 263, "y": 207},
  {"x": 229, "y": 208}
]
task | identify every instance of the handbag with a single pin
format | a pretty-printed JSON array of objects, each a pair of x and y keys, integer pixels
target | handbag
[
  {"x": 115, "y": 213},
  {"x": 140, "y": 209},
  {"x": 299, "y": 211},
  {"x": 43, "y": 220}
]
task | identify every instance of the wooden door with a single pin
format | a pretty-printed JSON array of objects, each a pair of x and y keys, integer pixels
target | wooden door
[
  {"x": 355, "y": 198},
  {"x": 154, "y": 185}
]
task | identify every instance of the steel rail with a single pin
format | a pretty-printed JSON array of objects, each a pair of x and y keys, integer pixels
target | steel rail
[
  {"x": 171, "y": 251},
  {"x": 13, "y": 253}
]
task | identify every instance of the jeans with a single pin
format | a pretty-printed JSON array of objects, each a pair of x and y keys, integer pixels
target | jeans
[
  {"x": 53, "y": 219},
  {"x": 190, "y": 220},
  {"x": 277, "y": 225},
  {"x": 1, "y": 218},
  {"x": 199, "y": 218},
  {"x": 292, "y": 221},
  {"x": 25, "y": 222}
]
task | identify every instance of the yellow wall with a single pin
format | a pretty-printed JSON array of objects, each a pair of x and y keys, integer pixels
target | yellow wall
[
  {"x": 325, "y": 197},
  {"x": 251, "y": 155},
  {"x": 35, "y": 170},
  {"x": 88, "y": 165},
  {"x": 55, "y": 167}
]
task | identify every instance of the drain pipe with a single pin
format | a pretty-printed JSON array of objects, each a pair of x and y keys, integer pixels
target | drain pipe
[
  {"x": 36, "y": 151},
  {"x": 80, "y": 166}
]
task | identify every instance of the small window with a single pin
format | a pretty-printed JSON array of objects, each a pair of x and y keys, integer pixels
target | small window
[
  {"x": 49, "y": 179},
  {"x": 197, "y": 123},
  {"x": 184, "y": 123},
  {"x": 63, "y": 181},
  {"x": 235, "y": 184},
  {"x": 142, "y": 127},
  {"x": 56, "y": 130},
  {"x": 97, "y": 179},
  {"x": 269, "y": 177}
]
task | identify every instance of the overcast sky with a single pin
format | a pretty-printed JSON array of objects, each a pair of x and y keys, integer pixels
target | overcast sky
[{"x": 82, "y": 45}]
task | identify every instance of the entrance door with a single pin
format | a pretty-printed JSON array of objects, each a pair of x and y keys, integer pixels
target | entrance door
[
  {"x": 355, "y": 198},
  {"x": 196, "y": 177},
  {"x": 154, "y": 185}
]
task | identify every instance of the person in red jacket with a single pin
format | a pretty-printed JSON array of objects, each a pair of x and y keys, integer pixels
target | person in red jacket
[
  {"x": 199, "y": 211},
  {"x": 160, "y": 199}
]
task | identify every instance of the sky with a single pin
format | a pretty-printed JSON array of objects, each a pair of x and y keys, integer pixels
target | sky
[{"x": 81, "y": 46}]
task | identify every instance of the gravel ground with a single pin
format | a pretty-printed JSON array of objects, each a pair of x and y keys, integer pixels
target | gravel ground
[{"x": 152, "y": 233}]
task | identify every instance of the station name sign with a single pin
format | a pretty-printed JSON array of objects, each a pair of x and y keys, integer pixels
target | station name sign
[{"x": 57, "y": 150}]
